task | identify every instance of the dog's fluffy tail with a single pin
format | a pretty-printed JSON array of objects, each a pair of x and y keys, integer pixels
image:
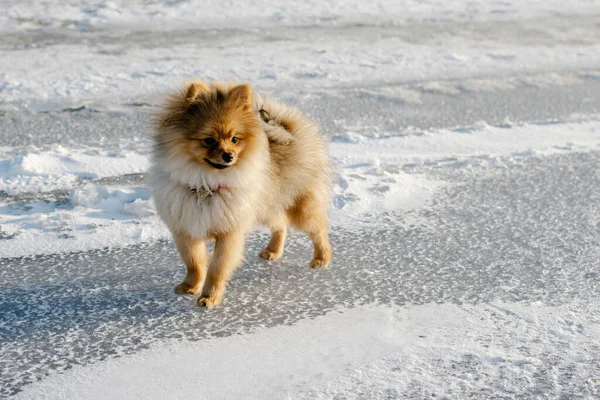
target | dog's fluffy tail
[{"x": 273, "y": 119}]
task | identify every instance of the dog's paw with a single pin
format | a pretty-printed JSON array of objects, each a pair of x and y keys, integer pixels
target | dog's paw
[
  {"x": 184, "y": 288},
  {"x": 319, "y": 263},
  {"x": 208, "y": 302},
  {"x": 267, "y": 254}
]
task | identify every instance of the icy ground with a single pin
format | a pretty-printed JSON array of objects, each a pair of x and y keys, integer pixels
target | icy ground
[{"x": 465, "y": 221}]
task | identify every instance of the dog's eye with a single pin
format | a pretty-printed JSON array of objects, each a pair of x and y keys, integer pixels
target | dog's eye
[
  {"x": 210, "y": 141},
  {"x": 234, "y": 139}
]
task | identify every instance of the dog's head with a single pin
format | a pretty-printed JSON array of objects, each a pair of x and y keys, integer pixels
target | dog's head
[{"x": 212, "y": 125}]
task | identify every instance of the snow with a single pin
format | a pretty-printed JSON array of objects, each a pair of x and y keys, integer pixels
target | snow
[
  {"x": 34, "y": 79},
  {"x": 373, "y": 177},
  {"x": 326, "y": 45},
  {"x": 364, "y": 352},
  {"x": 59, "y": 168},
  {"x": 94, "y": 14},
  {"x": 94, "y": 216},
  {"x": 464, "y": 222}
]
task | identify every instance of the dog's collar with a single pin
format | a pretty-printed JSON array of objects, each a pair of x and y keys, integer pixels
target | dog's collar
[{"x": 203, "y": 191}]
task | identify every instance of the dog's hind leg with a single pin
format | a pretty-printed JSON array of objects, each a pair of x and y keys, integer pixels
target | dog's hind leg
[
  {"x": 193, "y": 254},
  {"x": 274, "y": 249},
  {"x": 309, "y": 216}
]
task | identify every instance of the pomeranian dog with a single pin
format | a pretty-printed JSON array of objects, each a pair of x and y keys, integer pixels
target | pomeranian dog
[{"x": 224, "y": 160}]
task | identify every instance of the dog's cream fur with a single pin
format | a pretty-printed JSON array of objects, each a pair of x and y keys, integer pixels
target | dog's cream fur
[{"x": 280, "y": 176}]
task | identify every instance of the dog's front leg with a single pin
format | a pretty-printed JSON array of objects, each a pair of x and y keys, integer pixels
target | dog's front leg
[
  {"x": 227, "y": 256},
  {"x": 193, "y": 254}
]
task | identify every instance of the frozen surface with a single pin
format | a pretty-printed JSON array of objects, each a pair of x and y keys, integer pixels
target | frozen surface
[
  {"x": 465, "y": 221},
  {"x": 163, "y": 15},
  {"x": 65, "y": 200},
  {"x": 519, "y": 233},
  {"x": 379, "y": 352},
  {"x": 132, "y": 66}
]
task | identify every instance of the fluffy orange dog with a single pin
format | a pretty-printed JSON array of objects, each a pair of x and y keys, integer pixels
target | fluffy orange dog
[{"x": 224, "y": 160}]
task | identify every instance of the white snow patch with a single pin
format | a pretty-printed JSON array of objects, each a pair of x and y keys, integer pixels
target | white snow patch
[
  {"x": 139, "y": 208},
  {"x": 372, "y": 171},
  {"x": 165, "y": 15},
  {"x": 483, "y": 140},
  {"x": 96, "y": 216},
  {"x": 69, "y": 72},
  {"x": 39, "y": 80},
  {"x": 59, "y": 167},
  {"x": 362, "y": 352},
  {"x": 373, "y": 176},
  {"x": 88, "y": 196}
]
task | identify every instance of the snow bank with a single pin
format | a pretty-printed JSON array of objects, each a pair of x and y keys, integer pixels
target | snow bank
[
  {"x": 95, "y": 216},
  {"x": 58, "y": 167}
]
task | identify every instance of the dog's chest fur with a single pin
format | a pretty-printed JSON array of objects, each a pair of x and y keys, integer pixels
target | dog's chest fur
[{"x": 234, "y": 205}]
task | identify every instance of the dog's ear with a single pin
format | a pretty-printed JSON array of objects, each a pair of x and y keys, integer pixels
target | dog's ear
[
  {"x": 177, "y": 103},
  {"x": 241, "y": 96},
  {"x": 192, "y": 92}
]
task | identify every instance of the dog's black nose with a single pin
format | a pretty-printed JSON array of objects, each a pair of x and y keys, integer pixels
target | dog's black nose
[{"x": 227, "y": 157}]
